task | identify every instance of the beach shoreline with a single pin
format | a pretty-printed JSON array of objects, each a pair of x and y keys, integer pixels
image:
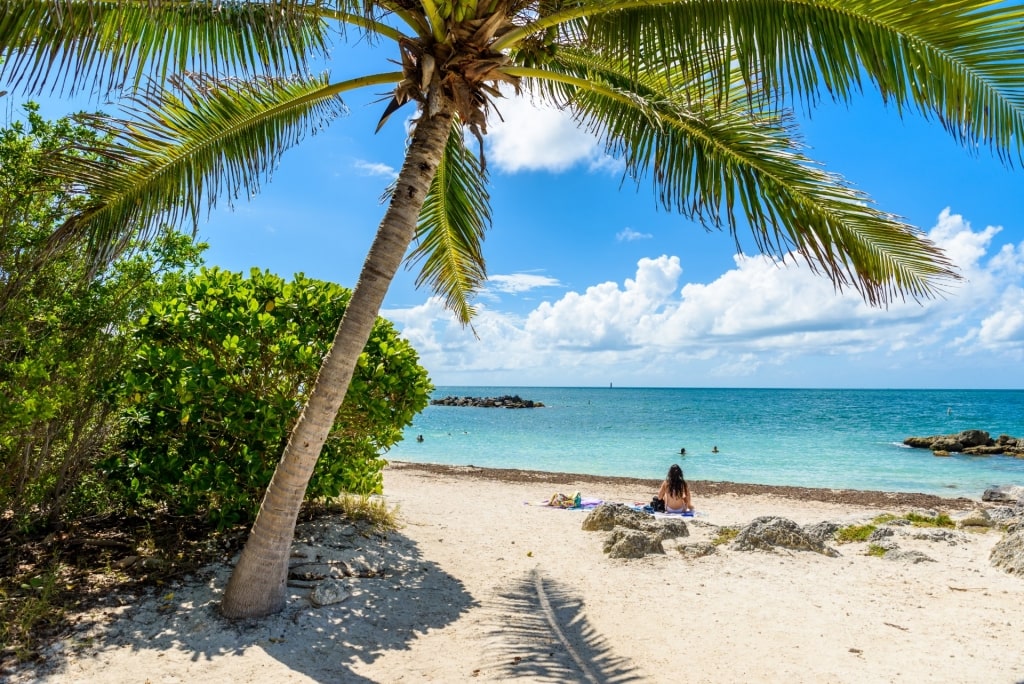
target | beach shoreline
[
  {"x": 482, "y": 582},
  {"x": 853, "y": 497}
]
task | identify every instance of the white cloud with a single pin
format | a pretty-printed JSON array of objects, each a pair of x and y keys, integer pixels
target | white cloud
[
  {"x": 520, "y": 282},
  {"x": 532, "y": 138},
  {"x": 627, "y": 234},
  {"x": 760, "y": 323},
  {"x": 374, "y": 169}
]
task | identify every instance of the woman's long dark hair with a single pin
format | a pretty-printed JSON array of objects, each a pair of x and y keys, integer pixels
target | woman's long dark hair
[{"x": 676, "y": 483}]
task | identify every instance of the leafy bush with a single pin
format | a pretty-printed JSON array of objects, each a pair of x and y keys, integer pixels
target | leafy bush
[
  {"x": 61, "y": 341},
  {"x": 854, "y": 533},
  {"x": 222, "y": 371}
]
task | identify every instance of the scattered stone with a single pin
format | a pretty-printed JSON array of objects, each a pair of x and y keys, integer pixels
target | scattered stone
[
  {"x": 948, "y": 536},
  {"x": 909, "y": 556},
  {"x": 329, "y": 592},
  {"x": 770, "y": 532},
  {"x": 697, "y": 550},
  {"x": 880, "y": 534},
  {"x": 1008, "y": 553}
]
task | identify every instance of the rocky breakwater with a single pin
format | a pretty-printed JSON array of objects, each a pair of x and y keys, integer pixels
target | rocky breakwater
[
  {"x": 507, "y": 401},
  {"x": 971, "y": 442}
]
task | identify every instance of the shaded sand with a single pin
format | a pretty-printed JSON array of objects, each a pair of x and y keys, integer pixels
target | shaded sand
[{"x": 484, "y": 587}]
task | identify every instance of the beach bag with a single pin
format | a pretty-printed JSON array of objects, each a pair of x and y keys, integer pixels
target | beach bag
[{"x": 658, "y": 505}]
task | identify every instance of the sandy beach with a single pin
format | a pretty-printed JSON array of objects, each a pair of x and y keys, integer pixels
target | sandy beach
[{"x": 483, "y": 584}]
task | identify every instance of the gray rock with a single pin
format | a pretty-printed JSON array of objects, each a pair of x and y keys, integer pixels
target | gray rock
[
  {"x": 672, "y": 529},
  {"x": 1008, "y": 553},
  {"x": 768, "y": 533},
  {"x": 697, "y": 550},
  {"x": 948, "y": 536},
  {"x": 329, "y": 592},
  {"x": 823, "y": 532},
  {"x": 624, "y": 542},
  {"x": 880, "y": 534},
  {"x": 1004, "y": 494},
  {"x": 977, "y": 518},
  {"x": 611, "y": 515},
  {"x": 909, "y": 556}
]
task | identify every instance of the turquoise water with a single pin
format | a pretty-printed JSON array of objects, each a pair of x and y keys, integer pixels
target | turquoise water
[{"x": 849, "y": 439}]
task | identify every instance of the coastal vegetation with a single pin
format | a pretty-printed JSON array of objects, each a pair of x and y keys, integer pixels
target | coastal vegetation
[
  {"x": 142, "y": 407},
  {"x": 694, "y": 98}
]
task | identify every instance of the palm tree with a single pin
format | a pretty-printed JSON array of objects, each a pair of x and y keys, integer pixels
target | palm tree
[{"x": 694, "y": 96}]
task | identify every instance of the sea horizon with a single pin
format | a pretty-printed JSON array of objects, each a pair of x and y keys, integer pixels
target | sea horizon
[{"x": 810, "y": 437}]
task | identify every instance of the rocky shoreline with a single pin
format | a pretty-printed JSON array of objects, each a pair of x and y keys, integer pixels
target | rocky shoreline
[
  {"x": 970, "y": 442},
  {"x": 509, "y": 401}
]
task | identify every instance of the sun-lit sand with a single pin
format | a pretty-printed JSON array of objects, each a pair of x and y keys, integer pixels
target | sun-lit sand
[{"x": 485, "y": 585}]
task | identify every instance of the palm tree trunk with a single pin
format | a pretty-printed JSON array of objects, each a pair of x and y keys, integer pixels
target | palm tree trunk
[{"x": 257, "y": 585}]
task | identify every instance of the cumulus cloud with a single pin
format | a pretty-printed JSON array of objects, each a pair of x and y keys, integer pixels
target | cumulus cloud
[
  {"x": 760, "y": 322},
  {"x": 627, "y": 234},
  {"x": 520, "y": 282},
  {"x": 532, "y": 137},
  {"x": 367, "y": 168}
]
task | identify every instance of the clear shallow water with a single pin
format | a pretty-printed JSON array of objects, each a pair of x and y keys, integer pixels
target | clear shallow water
[{"x": 849, "y": 439}]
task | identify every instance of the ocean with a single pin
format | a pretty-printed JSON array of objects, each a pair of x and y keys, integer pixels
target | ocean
[{"x": 843, "y": 439}]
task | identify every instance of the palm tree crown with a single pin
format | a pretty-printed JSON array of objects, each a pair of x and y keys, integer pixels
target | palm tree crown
[{"x": 694, "y": 96}]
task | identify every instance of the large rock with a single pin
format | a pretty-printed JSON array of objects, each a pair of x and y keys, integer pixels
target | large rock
[
  {"x": 824, "y": 531},
  {"x": 1004, "y": 494},
  {"x": 608, "y": 516},
  {"x": 956, "y": 443},
  {"x": 768, "y": 533},
  {"x": 1008, "y": 553},
  {"x": 634, "y": 534},
  {"x": 979, "y": 518},
  {"x": 624, "y": 542}
]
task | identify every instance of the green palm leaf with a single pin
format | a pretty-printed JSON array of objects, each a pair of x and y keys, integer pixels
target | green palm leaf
[
  {"x": 957, "y": 60},
  {"x": 110, "y": 44},
  {"x": 176, "y": 154},
  {"x": 451, "y": 228},
  {"x": 709, "y": 161}
]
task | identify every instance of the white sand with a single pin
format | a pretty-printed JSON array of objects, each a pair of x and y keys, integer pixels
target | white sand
[{"x": 486, "y": 588}]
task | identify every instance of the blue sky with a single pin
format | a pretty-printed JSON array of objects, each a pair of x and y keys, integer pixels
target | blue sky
[{"x": 591, "y": 283}]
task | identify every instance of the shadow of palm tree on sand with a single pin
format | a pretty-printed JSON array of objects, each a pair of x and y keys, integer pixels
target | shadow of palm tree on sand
[{"x": 540, "y": 634}]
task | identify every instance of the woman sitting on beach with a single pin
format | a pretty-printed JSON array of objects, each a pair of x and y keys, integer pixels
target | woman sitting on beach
[{"x": 675, "y": 492}]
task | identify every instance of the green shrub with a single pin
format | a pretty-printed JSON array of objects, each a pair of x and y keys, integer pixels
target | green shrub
[
  {"x": 876, "y": 550},
  {"x": 854, "y": 533},
  {"x": 223, "y": 368},
  {"x": 62, "y": 341},
  {"x": 922, "y": 520}
]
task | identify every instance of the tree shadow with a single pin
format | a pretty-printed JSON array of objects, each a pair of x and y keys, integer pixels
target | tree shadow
[
  {"x": 540, "y": 633},
  {"x": 383, "y": 613}
]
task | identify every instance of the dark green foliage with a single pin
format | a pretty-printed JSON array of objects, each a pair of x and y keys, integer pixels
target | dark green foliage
[
  {"x": 223, "y": 368},
  {"x": 59, "y": 342}
]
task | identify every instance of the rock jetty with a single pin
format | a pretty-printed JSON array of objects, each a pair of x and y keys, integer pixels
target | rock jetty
[
  {"x": 972, "y": 442},
  {"x": 507, "y": 401}
]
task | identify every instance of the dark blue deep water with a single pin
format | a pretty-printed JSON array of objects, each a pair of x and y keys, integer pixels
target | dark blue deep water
[{"x": 848, "y": 439}]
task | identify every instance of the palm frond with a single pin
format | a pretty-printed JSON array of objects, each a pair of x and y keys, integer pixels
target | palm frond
[
  {"x": 110, "y": 44},
  {"x": 957, "y": 60},
  {"x": 710, "y": 161},
  {"x": 176, "y": 153},
  {"x": 451, "y": 228}
]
